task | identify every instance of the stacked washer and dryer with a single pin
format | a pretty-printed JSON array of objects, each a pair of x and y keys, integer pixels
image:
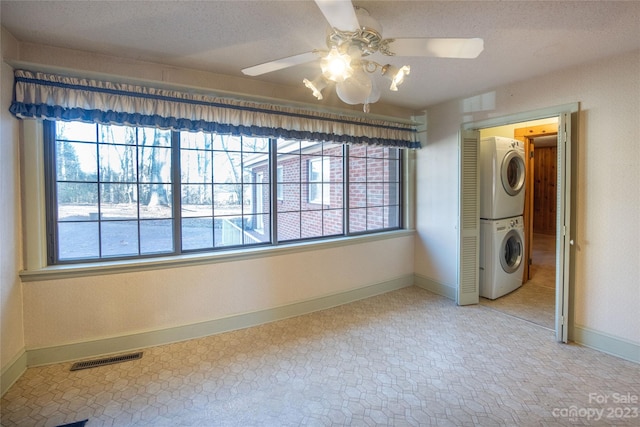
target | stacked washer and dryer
[{"x": 502, "y": 182}]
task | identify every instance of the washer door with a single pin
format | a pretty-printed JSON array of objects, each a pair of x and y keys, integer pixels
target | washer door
[
  {"x": 511, "y": 251},
  {"x": 512, "y": 173}
]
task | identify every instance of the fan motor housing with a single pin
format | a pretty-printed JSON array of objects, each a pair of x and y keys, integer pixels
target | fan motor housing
[{"x": 367, "y": 40}]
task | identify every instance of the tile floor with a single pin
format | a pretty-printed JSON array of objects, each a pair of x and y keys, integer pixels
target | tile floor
[{"x": 405, "y": 358}]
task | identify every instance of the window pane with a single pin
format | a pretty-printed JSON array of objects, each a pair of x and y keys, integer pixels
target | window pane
[
  {"x": 196, "y": 140},
  {"x": 257, "y": 228},
  {"x": 374, "y": 191},
  {"x": 227, "y": 200},
  {"x": 114, "y": 189},
  {"x": 392, "y": 193},
  {"x": 227, "y": 167},
  {"x": 154, "y": 137},
  {"x": 375, "y": 171},
  {"x": 375, "y": 218},
  {"x": 375, "y": 194},
  {"x": 256, "y": 165},
  {"x": 197, "y": 200},
  {"x": 76, "y": 201},
  {"x": 75, "y": 131},
  {"x": 113, "y": 134},
  {"x": 236, "y": 192},
  {"x": 256, "y": 198},
  {"x": 76, "y": 161},
  {"x": 156, "y": 236},
  {"x": 332, "y": 222},
  {"x": 288, "y": 226},
  {"x": 255, "y": 145},
  {"x": 358, "y": 150},
  {"x": 229, "y": 231},
  {"x": 285, "y": 146},
  {"x": 312, "y": 182},
  {"x": 197, "y": 233},
  {"x": 332, "y": 149},
  {"x": 312, "y": 224},
  {"x": 155, "y": 164},
  {"x": 334, "y": 195},
  {"x": 227, "y": 143},
  {"x": 376, "y": 152},
  {"x": 391, "y": 216},
  {"x": 196, "y": 166},
  {"x": 117, "y": 163},
  {"x": 290, "y": 168},
  {"x": 357, "y": 195},
  {"x": 357, "y": 220},
  {"x": 155, "y": 201},
  {"x": 118, "y": 201},
  {"x": 290, "y": 201},
  {"x": 78, "y": 240},
  {"x": 114, "y": 201},
  {"x": 119, "y": 238},
  {"x": 357, "y": 169}
]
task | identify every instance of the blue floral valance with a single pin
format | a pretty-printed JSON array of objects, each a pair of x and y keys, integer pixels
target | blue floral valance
[{"x": 57, "y": 97}]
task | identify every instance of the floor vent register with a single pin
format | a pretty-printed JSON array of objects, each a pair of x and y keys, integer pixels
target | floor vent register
[{"x": 88, "y": 364}]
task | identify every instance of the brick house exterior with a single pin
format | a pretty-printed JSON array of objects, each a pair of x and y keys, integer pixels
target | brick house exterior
[{"x": 373, "y": 188}]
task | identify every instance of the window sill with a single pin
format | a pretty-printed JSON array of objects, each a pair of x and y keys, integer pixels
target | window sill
[{"x": 113, "y": 267}]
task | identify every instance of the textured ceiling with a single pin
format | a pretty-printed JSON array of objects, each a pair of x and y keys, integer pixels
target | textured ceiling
[{"x": 522, "y": 38}]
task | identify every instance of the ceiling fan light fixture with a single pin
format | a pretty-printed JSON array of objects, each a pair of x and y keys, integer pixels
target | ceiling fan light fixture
[
  {"x": 316, "y": 86},
  {"x": 366, "y": 21},
  {"x": 356, "y": 89},
  {"x": 396, "y": 75},
  {"x": 336, "y": 66}
]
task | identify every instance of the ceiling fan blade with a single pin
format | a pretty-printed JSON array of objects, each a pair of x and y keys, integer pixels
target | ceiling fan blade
[
  {"x": 339, "y": 13},
  {"x": 279, "y": 64},
  {"x": 438, "y": 48}
]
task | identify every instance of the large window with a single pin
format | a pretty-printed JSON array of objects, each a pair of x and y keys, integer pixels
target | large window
[{"x": 117, "y": 192}]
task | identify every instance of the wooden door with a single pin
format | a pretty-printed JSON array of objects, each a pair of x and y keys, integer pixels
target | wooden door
[
  {"x": 526, "y": 135},
  {"x": 545, "y": 191}
]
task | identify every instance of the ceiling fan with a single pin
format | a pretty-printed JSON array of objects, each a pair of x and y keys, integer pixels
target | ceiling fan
[{"x": 352, "y": 37}]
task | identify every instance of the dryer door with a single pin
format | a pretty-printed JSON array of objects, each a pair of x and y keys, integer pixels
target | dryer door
[
  {"x": 512, "y": 172},
  {"x": 511, "y": 251}
]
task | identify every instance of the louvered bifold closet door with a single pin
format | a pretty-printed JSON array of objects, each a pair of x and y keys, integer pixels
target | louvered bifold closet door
[{"x": 469, "y": 220}]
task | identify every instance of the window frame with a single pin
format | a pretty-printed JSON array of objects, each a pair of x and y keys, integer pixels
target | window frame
[{"x": 37, "y": 267}]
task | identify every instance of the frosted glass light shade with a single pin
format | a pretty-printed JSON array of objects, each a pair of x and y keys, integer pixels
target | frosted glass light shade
[
  {"x": 316, "y": 86},
  {"x": 395, "y": 74},
  {"x": 356, "y": 89}
]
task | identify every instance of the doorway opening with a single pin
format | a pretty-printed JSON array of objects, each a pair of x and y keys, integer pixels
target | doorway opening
[
  {"x": 467, "y": 291},
  {"x": 535, "y": 300}
]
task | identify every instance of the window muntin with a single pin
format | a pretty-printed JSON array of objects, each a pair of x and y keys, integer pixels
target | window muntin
[
  {"x": 313, "y": 187},
  {"x": 374, "y": 188},
  {"x": 225, "y": 190},
  {"x": 126, "y": 192},
  {"x": 319, "y": 184},
  {"x": 113, "y": 191}
]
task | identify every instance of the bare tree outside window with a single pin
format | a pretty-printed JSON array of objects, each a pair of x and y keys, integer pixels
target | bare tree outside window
[{"x": 114, "y": 194}]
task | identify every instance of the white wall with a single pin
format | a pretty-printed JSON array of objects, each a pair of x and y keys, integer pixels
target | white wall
[
  {"x": 607, "y": 288},
  {"x": 100, "y": 307},
  {"x": 11, "y": 323}
]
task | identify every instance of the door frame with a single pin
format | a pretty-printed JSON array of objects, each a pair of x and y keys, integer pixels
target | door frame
[
  {"x": 526, "y": 135},
  {"x": 564, "y": 230}
]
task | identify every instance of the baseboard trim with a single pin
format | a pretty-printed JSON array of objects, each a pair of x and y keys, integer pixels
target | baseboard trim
[
  {"x": 13, "y": 371},
  {"x": 81, "y": 350},
  {"x": 606, "y": 343},
  {"x": 435, "y": 287}
]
